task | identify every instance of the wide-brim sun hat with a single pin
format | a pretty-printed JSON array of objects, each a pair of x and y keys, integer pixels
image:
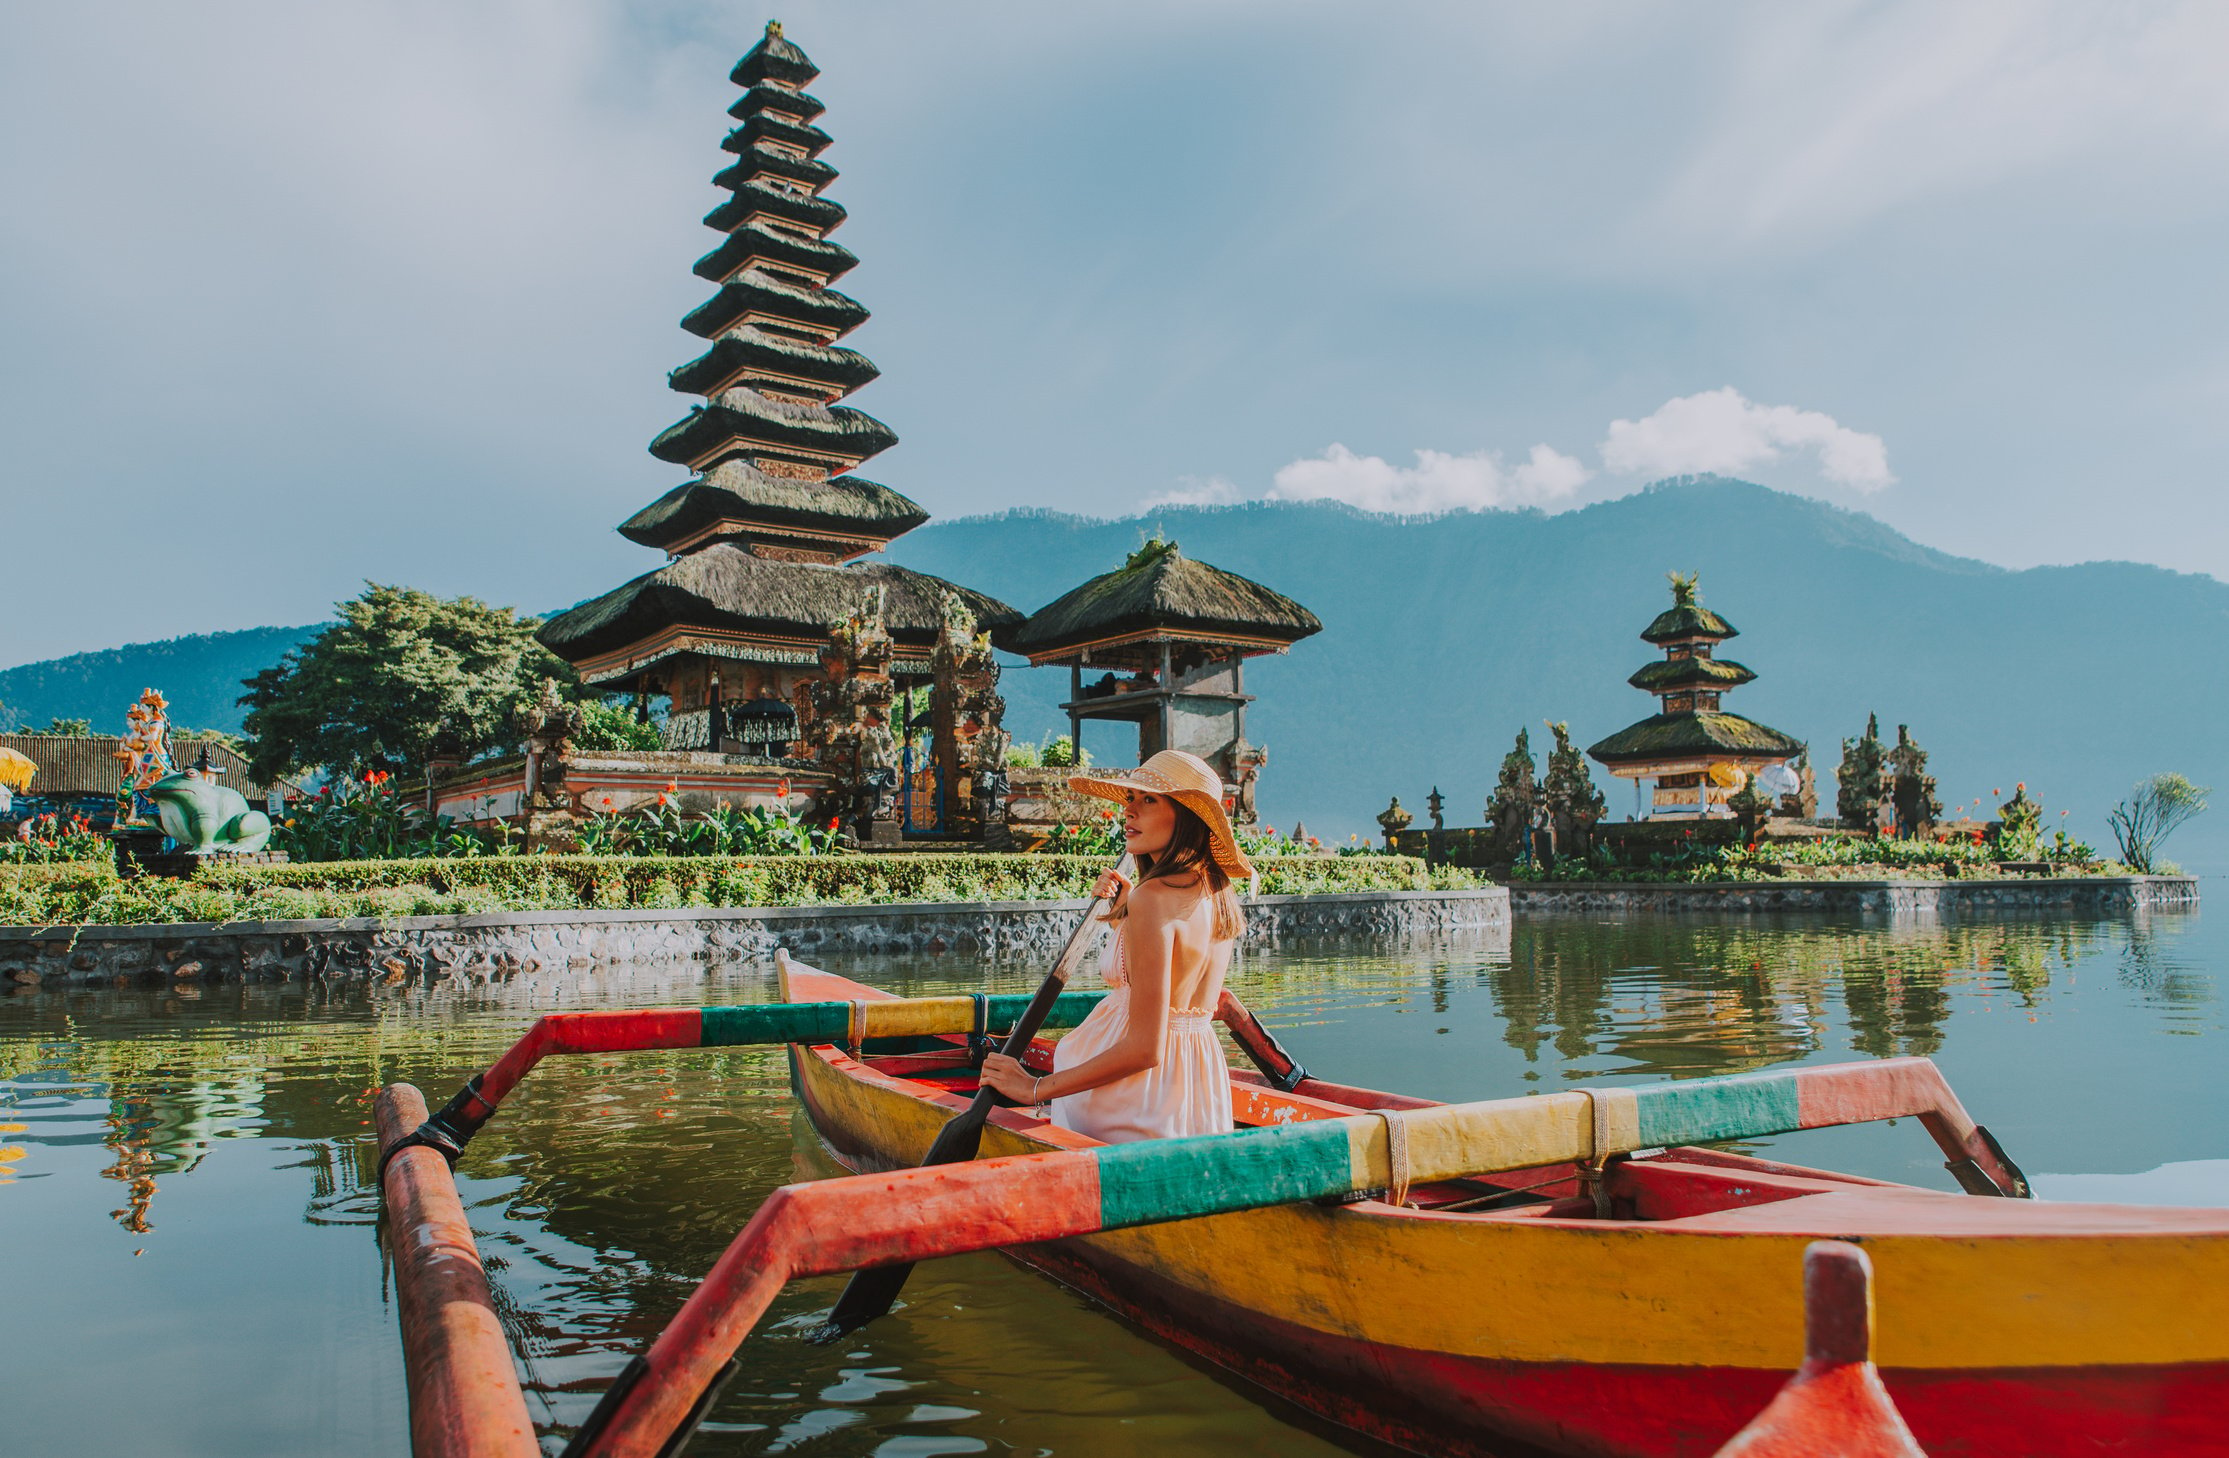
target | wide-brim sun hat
[{"x": 1186, "y": 779}]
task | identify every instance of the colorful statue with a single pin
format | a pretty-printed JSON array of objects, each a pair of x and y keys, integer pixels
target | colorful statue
[{"x": 145, "y": 755}]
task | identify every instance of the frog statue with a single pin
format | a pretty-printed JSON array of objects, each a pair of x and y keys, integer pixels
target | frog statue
[{"x": 205, "y": 817}]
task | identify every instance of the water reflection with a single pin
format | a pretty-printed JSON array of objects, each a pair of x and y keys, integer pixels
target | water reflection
[{"x": 198, "y": 1167}]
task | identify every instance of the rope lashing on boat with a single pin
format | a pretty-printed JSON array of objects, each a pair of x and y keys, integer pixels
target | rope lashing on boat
[
  {"x": 1396, "y": 1155},
  {"x": 1594, "y": 1169},
  {"x": 979, "y": 1038}
]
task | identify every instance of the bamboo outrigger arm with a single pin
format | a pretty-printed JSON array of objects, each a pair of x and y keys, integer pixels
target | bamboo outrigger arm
[
  {"x": 911, "y": 1215},
  {"x": 845, "y": 1023},
  {"x": 633, "y": 1030}
]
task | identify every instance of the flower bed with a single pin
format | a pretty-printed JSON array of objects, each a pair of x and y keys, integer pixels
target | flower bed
[{"x": 63, "y": 894}]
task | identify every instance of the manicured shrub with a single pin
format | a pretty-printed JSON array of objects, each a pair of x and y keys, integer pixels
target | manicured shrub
[{"x": 54, "y": 895}]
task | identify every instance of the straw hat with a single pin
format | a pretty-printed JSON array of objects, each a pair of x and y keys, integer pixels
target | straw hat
[{"x": 1186, "y": 779}]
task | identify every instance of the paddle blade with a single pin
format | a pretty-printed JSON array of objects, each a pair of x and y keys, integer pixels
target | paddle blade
[{"x": 872, "y": 1292}]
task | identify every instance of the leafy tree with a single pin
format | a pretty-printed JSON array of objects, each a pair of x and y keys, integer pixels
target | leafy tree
[
  {"x": 2151, "y": 814},
  {"x": 64, "y": 727},
  {"x": 403, "y": 678},
  {"x": 1863, "y": 781},
  {"x": 606, "y": 725}
]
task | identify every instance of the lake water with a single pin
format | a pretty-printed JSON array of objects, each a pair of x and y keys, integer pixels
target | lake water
[{"x": 191, "y": 1252}]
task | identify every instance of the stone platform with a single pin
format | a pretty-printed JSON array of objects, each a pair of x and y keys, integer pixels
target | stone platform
[{"x": 546, "y": 946}]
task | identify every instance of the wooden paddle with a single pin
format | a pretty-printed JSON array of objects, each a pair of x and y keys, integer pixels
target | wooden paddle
[
  {"x": 871, "y": 1292},
  {"x": 1281, "y": 1069}
]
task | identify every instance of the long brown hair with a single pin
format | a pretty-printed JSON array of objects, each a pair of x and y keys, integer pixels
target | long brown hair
[{"x": 1187, "y": 855}]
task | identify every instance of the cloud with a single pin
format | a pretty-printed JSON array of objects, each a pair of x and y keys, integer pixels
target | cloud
[
  {"x": 1723, "y": 431},
  {"x": 1437, "y": 482}
]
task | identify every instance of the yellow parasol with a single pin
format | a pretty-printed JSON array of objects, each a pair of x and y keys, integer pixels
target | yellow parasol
[
  {"x": 16, "y": 771},
  {"x": 1728, "y": 776}
]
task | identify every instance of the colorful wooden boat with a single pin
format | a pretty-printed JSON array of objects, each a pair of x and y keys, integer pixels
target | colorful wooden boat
[{"x": 1505, "y": 1314}]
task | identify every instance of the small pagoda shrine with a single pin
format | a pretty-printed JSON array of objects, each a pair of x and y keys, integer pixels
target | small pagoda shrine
[
  {"x": 1698, "y": 755},
  {"x": 1168, "y": 639},
  {"x": 768, "y": 640}
]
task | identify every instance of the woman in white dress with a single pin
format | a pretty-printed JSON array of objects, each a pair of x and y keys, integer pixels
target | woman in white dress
[{"x": 1146, "y": 1063}]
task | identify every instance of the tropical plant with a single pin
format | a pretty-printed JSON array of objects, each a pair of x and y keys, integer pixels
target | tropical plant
[
  {"x": 2152, "y": 812},
  {"x": 403, "y": 677},
  {"x": 662, "y": 828},
  {"x": 54, "y": 839},
  {"x": 2020, "y": 826},
  {"x": 56, "y": 728}
]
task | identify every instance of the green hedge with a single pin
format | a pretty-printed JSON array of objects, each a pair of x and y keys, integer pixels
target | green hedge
[{"x": 54, "y": 895}]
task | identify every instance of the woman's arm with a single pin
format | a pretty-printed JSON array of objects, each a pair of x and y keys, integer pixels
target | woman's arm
[{"x": 1148, "y": 956}]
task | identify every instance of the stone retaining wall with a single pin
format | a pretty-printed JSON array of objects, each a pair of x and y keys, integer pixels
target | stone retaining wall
[
  {"x": 1894, "y": 898},
  {"x": 541, "y": 945}
]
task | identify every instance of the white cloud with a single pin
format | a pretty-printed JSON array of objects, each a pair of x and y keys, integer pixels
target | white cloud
[
  {"x": 1723, "y": 431},
  {"x": 1437, "y": 482}
]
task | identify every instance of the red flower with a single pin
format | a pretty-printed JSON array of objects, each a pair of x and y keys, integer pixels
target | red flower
[
  {"x": 783, "y": 791},
  {"x": 834, "y": 821}
]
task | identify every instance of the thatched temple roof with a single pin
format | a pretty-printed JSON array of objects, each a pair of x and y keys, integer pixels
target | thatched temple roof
[
  {"x": 1706, "y": 734},
  {"x": 1671, "y": 675},
  {"x": 722, "y": 588},
  {"x": 1160, "y": 590},
  {"x": 846, "y": 507}
]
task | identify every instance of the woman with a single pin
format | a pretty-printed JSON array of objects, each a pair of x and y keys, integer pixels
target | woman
[{"x": 1146, "y": 1063}]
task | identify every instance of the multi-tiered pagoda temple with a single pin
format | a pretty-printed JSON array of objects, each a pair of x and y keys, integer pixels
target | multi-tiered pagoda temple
[
  {"x": 735, "y": 631},
  {"x": 1693, "y": 746}
]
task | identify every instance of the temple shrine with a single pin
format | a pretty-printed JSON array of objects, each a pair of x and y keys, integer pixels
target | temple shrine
[
  {"x": 1162, "y": 642},
  {"x": 1698, "y": 755},
  {"x": 773, "y": 650}
]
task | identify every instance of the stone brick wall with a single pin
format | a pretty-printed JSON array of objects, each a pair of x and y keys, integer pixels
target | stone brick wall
[
  {"x": 556, "y": 946},
  {"x": 1896, "y": 898}
]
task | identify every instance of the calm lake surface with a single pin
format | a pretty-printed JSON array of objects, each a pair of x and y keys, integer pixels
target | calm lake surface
[{"x": 191, "y": 1248}]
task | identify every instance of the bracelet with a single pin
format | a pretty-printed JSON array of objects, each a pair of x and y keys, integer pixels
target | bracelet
[{"x": 1033, "y": 1098}]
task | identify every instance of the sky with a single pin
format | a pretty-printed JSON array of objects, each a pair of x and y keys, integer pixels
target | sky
[{"x": 299, "y": 296}]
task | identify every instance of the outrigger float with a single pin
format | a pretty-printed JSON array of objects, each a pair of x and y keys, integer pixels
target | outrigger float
[{"x": 1563, "y": 1273}]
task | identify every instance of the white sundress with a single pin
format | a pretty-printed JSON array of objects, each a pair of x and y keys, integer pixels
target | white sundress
[{"x": 1188, "y": 1092}]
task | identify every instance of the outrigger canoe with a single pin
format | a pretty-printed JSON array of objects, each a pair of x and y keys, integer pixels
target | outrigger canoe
[{"x": 1646, "y": 1306}]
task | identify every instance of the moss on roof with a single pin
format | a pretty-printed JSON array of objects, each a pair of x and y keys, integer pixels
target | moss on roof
[
  {"x": 1673, "y": 736},
  {"x": 774, "y": 58},
  {"x": 828, "y": 364},
  {"x": 755, "y": 291},
  {"x": 764, "y": 161},
  {"x": 735, "y": 490},
  {"x": 1686, "y": 617},
  {"x": 761, "y": 98},
  {"x": 775, "y": 245},
  {"x": 768, "y": 127},
  {"x": 1159, "y": 587},
  {"x": 744, "y": 416},
  {"x": 722, "y": 587},
  {"x": 1680, "y": 673},
  {"x": 817, "y": 213}
]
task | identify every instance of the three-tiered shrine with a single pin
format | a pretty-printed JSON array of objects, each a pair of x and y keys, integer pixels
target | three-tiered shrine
[
  {"x": 738, "y": 632},
  {"x": 1692, "y": 747}
]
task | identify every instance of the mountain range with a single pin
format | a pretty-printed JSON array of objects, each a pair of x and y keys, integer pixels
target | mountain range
[{"x": 1443, "y": 636}]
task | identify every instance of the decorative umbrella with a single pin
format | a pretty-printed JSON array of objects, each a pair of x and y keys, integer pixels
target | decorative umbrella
[
  {"x": 16, "y": 770},
  {"x": 1728, "y": 776}
]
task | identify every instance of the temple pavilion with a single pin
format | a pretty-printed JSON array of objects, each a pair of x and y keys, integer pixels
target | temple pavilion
[
  {"x": 765, "y": 540},
  {"x": 1162, "y": 642},
  {"x": 1692, "y": 748}
]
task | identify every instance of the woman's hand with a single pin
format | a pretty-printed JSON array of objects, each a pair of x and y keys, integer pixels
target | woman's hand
[
  {"x": 1009, "y": 1077},
  {"x": 1111, "y": 886}
]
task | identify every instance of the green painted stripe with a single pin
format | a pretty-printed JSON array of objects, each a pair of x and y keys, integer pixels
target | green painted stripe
[
  {"x": 777, "y": 1022},
  {"x": 1699, "y": 1110},
  {"x": 1069, "y": 1009},
  {"x": 1175, "y": 1179}
]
